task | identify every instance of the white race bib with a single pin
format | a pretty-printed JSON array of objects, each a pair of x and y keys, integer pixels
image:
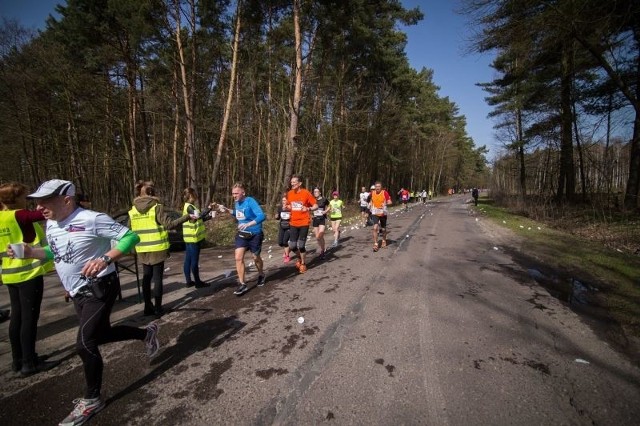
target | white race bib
[{"x": 296, "y": 206}]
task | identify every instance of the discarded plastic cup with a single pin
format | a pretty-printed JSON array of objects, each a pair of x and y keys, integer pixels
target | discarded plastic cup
[{"x": 18, "y": 250}]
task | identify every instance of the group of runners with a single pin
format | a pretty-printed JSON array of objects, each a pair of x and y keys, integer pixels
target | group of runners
[
  {"x": 299, "y": 209},
  {"x": 84, "y": 245}
]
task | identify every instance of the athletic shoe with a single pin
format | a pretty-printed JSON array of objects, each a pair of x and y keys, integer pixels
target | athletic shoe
[
  {"x": 261, "y": 280},
  {"x": 84, "y": 409},
  {"x": 287, "y": 259},
  {"x": 242, "y": 289},
  {"x": 202, "y": 284},
  {"x": 375, "y": 247},
  {"x": 322, "y": 253},
  {"x": 334, "y": 245},
  {"x": 298, "y": 263},
  {"x": 151, "y": 343},
  {"x": 303, "y": 268},
  {"x": 190, "y": 284},
  {"x": 384, "y": 243}
]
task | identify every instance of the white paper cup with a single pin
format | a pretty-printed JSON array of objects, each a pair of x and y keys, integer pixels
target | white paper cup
[{"x": 18, "y": 250}]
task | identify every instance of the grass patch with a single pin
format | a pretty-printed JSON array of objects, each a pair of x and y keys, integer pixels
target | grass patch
[{"x": 583, "y": 256}]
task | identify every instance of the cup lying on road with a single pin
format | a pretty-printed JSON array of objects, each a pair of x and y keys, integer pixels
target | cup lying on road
[{"x": 18, "y": 250}]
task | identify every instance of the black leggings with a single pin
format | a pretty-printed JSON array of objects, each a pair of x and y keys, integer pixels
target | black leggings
[
  {"x": 26, "y": 299},
  {"x": 298, "y": 238},
  {"x": 283, "y": 237},
  {"x": 152, "y": 273},
  {"x": 95, "y": 329}
]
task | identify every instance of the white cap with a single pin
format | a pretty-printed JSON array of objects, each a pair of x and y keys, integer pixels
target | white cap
[
  {"x": 54, "y": 187},
  {"x": 373, "y": 187}
]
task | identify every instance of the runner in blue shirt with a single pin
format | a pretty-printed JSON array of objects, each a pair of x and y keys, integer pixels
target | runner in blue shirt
[{"x": 250, "y": 216}]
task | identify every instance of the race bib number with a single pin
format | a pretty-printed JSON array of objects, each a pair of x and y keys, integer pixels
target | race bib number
[
  {"x": 240, "y": 214},
  {"x": 376, "y": 211},
  {"x": 285, "y": 215},
  {"x": 318, "y": 212},
  {"x": 296, "y": 206}
]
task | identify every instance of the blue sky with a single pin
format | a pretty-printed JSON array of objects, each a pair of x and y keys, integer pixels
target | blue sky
[{"x": 438, "y": 42}]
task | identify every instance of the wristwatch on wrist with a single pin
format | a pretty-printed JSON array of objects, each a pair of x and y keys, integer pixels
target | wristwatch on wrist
[{"x": 106, "y": 259}]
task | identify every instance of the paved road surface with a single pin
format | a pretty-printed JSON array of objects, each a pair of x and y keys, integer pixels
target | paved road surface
[{"x": 443, "y": 327}]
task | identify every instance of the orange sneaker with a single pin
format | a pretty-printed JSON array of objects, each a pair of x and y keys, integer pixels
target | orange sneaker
[
  {"x": 375, "y": 247},
  {"x": 298, "y": 263},
  {"x": 302, "y": 268},
  {"x": 384, "y": 243}
]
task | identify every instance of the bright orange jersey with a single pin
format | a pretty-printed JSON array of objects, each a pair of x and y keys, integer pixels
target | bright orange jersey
[
  {"x": 378, "y": 202},
  {"x": 298, "y": 200}
]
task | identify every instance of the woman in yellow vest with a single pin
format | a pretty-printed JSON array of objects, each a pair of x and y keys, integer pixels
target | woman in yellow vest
[
  {"x": 149, "y": 220},
  {"x": 22, "y": 277},
  {"x": 193, "y": 233}
]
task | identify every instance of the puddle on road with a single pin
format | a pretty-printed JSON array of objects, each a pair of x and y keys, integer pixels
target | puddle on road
[
  {"x": 583, "y": 299},
  {"x": 578, "y": 295}
]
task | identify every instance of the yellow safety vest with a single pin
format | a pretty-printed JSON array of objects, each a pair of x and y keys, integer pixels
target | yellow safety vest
[
  {"x": 153, "y": 237},
  {"x": 16, "y": 271},
  {"x": 192, "y": 232}
]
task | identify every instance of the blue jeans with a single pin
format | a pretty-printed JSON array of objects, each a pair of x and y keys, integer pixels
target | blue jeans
[{"x": 191, "y": 259}]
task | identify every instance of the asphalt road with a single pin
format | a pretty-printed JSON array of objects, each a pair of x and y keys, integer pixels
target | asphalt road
[{"x": 443, "y": 327}]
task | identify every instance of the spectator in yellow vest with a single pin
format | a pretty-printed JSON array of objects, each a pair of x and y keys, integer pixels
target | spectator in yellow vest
[
  {"x": 193, "y": 233},
  {"x": 149, "y": 220},
  {"x": 23, "y": 277}
]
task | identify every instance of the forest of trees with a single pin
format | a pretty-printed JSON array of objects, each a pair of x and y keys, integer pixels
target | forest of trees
[
  {"x": 203, "y": 93},
  {"x": 566, "y": 98}
]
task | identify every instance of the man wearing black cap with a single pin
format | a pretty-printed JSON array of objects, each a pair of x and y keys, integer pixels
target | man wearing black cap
[{"x": 80, "y": 246}]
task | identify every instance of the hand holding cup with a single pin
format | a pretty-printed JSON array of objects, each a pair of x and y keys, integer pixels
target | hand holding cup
[{"x": 16, "y": 250}]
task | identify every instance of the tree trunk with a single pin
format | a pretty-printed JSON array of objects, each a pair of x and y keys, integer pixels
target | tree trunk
[
  {"x": 523, "y": 174},
  {"x": 295, "y": 103},
  {"x": 583, "y": 181},
  {"x": 176, "y": 136},
  {"x": 132, "y": 135},
  {"x": 566, "y": 181},
  {"x": 227, "y": 110},
  {"x": 188, "y": 106}
]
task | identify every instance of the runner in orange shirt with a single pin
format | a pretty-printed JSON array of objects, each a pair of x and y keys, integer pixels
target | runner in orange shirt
[
  {"x": 300, "y": 202},
  {"x": 379, "y": 199}
]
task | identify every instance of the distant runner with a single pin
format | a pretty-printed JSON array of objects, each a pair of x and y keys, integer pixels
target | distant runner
[
  {"x": 364, "y": 205},
  {"x": 379, "y": 199},
  {"x": 336, "y": 205},
  {"x": 320, "y": 219},
  {"x": 284, "y": 214}
]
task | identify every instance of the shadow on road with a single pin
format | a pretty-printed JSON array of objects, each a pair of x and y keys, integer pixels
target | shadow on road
[{"x": 201, "y": 336}]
